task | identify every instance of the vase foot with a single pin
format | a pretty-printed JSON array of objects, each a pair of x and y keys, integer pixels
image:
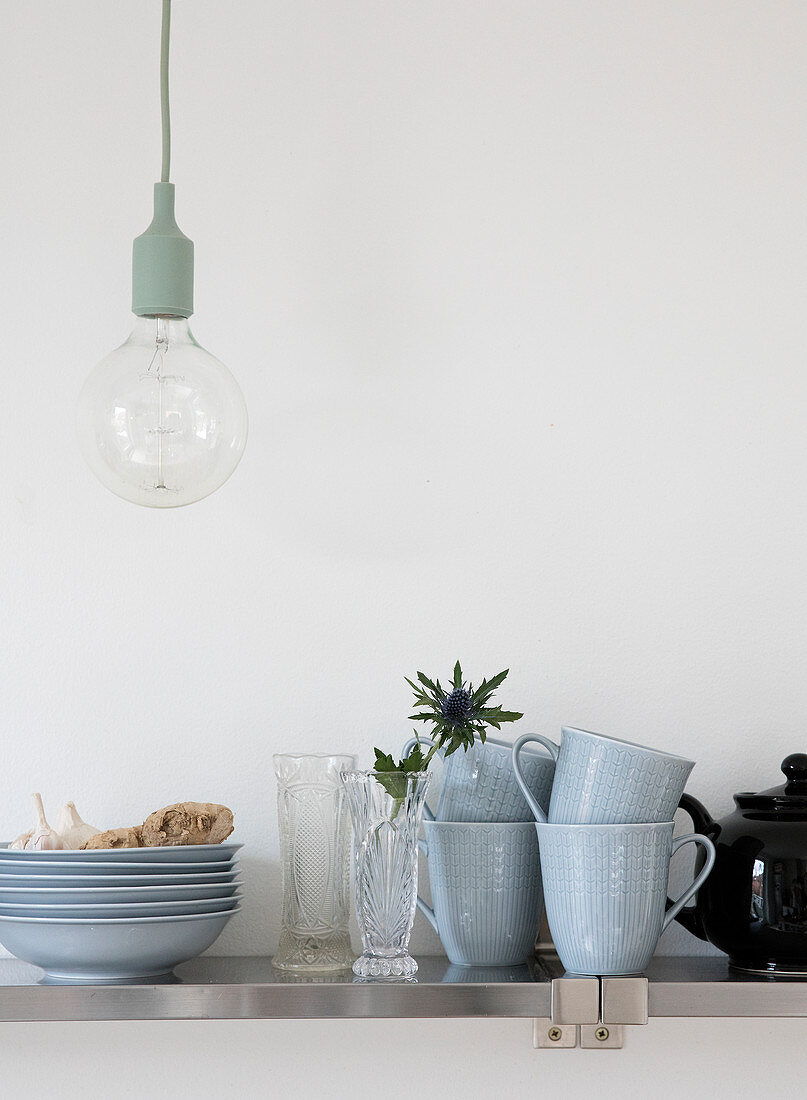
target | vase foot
[
  {"x": 376, "y": 966},
  {"x": 298, "y": 951}
]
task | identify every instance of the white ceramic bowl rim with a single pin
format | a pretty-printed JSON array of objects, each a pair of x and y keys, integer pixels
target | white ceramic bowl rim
[{"x": 630, "y": 744}]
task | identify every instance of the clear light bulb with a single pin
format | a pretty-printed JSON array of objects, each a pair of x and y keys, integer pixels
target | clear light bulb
[{"x": 161, "y": 422}]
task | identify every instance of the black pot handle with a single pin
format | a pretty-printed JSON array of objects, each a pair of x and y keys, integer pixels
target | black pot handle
[
  {"x": 690, "y": 916},
  {"x": 701, "y": 818}
]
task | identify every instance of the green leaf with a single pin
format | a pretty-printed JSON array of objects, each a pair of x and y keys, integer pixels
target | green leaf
[
  {"x": 453, "y": 745},
  {"x": 496, "y": 714},
  {"x": 422, "y": 718},
  {"x": 427, "y": 683},
  {"x": 457, "y": 676},
  {"x": 419, "y": 692},
  {"x": 384, "y": 762},
  {"x": 487, "y": 687},
  {"x": 414, "y": 761},
  {"x": 393, "y": 777}
]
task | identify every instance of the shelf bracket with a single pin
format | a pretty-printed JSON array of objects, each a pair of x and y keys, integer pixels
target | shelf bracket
[
  {"x": 591, "y": 1012},
  {"x": 624, "y": 1000}
]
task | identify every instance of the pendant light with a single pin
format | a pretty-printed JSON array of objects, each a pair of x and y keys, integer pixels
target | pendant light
[{"x": 161, "y": 422}]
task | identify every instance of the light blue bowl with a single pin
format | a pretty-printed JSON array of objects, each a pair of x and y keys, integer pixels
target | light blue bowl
[
  {"x": 177, "y": 853},
  {"x": 109, "y": 912},
  {"x": 110, "y": 950},
  {"x": 104, "y": 895},
  {"x": 107, "y": 867},
  {"x": 73, "y": 881}
]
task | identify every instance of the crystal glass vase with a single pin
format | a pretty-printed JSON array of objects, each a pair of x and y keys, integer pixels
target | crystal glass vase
[
  {"x": 315, "y": 863},
  {"x": 386, "y": 808}
]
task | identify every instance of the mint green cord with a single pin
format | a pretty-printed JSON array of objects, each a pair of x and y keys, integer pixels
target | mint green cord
[{"x": 164, "y": 104}]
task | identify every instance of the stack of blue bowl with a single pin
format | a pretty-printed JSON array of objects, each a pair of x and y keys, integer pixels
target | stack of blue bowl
[{"x": 114, "y": 914}]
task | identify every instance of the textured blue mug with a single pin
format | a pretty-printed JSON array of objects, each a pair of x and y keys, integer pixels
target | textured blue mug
[
  {"x": 479, "y": 784},
  {"x": 485, "y": 882},
  {"x": 605, "y": 888},
  {"x": 601, "y": 780}
]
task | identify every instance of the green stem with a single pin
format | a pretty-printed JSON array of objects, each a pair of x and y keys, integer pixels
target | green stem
[
  {"x": 431, "y": 753},
  {"x": 398, "y": 802}
]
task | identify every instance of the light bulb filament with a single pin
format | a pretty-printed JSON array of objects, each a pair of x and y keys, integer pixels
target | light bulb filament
[
  {"x": 159, "y": 355},
  {"x": 158, "y": 376},
  {"x": 160, "y": 351}
]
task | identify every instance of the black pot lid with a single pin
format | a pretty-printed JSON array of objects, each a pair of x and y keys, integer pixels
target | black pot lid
[{"x": 789, "y": 798}]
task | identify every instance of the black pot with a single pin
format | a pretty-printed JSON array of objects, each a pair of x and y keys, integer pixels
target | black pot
[{"x": 753, "y": 906}]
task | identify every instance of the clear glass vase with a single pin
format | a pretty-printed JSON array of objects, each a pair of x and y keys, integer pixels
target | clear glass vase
[
  {"x": 386, "y": 808},
  {"x": 315, "y": 863}
]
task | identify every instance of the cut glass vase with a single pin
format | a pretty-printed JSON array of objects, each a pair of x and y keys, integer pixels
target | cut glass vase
[
  {"x": 315, "y": 863},
  {"x": 386, "y": 808}
]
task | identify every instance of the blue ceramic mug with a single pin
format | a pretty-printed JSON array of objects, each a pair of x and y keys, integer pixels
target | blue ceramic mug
[
  {"x": 479, "y": 784},
  {"x": 605, "y": 888},
  {"x": 485, "y": 882},
  {"x": 601, "y": 780}
]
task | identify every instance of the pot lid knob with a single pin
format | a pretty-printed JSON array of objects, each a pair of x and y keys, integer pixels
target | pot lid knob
[{"x": 795, "y": 770}]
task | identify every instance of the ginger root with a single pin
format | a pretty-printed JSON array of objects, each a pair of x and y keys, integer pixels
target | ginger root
[
  {"x": 188, "y": 823},
  {"x": 115, "y": 838},
  {"x": 182, "y": 823}
]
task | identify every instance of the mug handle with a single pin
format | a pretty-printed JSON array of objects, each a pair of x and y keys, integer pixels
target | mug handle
[
  {"x": 410, "y": 744},
  {"x": 705, "y": 842},
  {"x": 553, "y": 751},
  {"x": 422, "y": 906}
]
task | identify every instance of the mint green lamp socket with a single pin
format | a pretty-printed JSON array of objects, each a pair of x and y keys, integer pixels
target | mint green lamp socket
[{"x": 162, "y": 263}]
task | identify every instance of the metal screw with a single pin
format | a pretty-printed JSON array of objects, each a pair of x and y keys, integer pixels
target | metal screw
[
  {"x": 555, "y": 1034},
  {"x": 602, "y": 1034}
]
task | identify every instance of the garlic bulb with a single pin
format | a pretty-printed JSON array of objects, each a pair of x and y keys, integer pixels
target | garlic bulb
[
  {"x": 73, "y": 831},
  {"x": 42, "y": 837},
  {"x": 19, "y": 844}
]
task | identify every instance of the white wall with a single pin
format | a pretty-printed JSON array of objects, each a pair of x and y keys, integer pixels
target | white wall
[{"x": 515, "y": 292}]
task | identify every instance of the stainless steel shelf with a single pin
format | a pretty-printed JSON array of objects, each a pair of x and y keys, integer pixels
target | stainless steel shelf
[{"x": 248, "y": 988}]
